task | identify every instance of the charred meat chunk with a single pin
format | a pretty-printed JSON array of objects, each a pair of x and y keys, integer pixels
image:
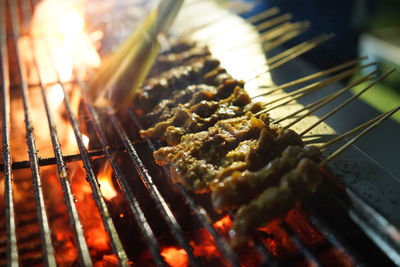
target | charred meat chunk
[
  {"x": 201, "y": 116},
  {"x": 241, "y": 187},
  {"x": 276, "y": 201},
  {"x": 190, "y": 96},
  {"x": 156, "y": 89},
  {"x": 206, "y": 157}
]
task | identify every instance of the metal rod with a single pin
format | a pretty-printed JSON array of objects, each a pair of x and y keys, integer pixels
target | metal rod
[
  {"x": 310, "y": 255},
  {"x": 91, "y": 178},
  {"x": 154, "y": 192},
  {"x": 83, "y": 251},
  {"x": 11, "y": 243},
  {"x": 134, "y": 205},
  {"x": 47, "y": 247},
  {"x": 24, "y": 164}
]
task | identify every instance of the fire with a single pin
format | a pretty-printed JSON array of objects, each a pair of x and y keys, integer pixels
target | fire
[
  {"x": 60, "y": 26},
  {"x": 106, "y": 185},
  {"x": 223, "y": 225},
  {"x": 175, "y": 257},
  {"x": 56, "y": 95}
]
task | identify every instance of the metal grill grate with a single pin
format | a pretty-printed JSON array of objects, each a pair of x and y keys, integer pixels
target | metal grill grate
[{"x": 108, "y": 151}]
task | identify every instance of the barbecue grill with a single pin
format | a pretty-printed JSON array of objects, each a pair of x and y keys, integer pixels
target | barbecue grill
[{"x": 337, "y": 226}]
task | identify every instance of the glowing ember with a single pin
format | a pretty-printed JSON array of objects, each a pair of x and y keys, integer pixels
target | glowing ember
[
  {"x": 175, "y": 257},
  {"x": 223, "y": 225},
  {"x": 106, "y": 186}
]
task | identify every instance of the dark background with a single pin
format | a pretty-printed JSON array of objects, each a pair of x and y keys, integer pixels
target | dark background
[{"x": 345, "y": 18}]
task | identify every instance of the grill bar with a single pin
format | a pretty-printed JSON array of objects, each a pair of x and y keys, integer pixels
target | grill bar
[
  {"x": 91, "y": 178},
  {"x": 307, "y": 253},
  {"x": 156, "y": 195},
  {"x": 47, "y": 247},
  {"x": 82, "y": 248},
  {"x": 62, "y": 171},
  {"x": 132, "y": 201},
  {"x": 12, "y": 252},
  {"x": 51, "y": 161},
  {"x": 200, "y": 212}
]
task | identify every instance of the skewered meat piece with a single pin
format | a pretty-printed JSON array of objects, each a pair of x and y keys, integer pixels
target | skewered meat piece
[
  {"x": 196, "y": 160},
  {"x": 276, "y": 201},
  {"x": 203, "y": 158},
  {"x": 240, "y": 187},
  {"x": 192, "y": 95},
  {"x": 201, "y": 116},
  {"x": 202, "y": 71},
  {"x": 171, "y": 60}
]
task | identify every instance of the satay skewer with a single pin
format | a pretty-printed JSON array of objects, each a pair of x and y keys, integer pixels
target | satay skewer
[
  {"x": 312, "y": 87},
  {"x": 273, "y": 22},
  {"x": 312, "y": 43},
  {"x": 376, "y": 122},
  {"x": 338, "y": 107},
  {"x": 315, "y": 75},
  {"x": 263, "y": 15},
  {"x": 321, "y": 102},
  {"x": 316, "y": 42}
]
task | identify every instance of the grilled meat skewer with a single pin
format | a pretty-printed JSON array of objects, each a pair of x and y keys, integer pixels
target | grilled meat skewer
[
  {"x": 205, "y": 157},
  {"x": 201, "y": 116},
  {"x": 240, "y": 187},
  {"x": 275, "y": 202}
]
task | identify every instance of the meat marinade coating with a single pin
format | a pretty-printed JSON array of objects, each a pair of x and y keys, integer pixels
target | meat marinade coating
[
  {"x": 276, "y": 201},
  {"x": 201, "y": 116},
  {"x": 206, "y": 71},
  {"x": 241, "y": 187},
  {"x": 203, "y": 158},
  {"x": 170, "y": 60},
  {"x": 190, "y": 96},
  {"x": 196, "y": 159}
]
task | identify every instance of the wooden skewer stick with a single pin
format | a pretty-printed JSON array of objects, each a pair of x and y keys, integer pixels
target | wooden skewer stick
[
  {"x": 312, "y": 44},
  {"x": 301, "y": 51},
  {"x": 238, "y": 7},
  {"x": 322, "y": 83},
  {"x": 263, "y": 15},
  {"x": 265, "y": 36},
  {"x": 268, "y": 46},
  {"x": 347, "y": 102},
  {"x": 315, "y": 86},
  {"x": 352, "y": 131},
  {"x": 315, "y": 75},
  {"x": 321, "y": 102},
  {"x": 272, "y": 22},
  {"x": 281, "y": 30},
  {"x": 344, "y": 147}
]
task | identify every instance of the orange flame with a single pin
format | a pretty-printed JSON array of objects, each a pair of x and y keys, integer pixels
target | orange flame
[
  {"x": 61, "y": 25},
  {"x": 106, "y": 185}
]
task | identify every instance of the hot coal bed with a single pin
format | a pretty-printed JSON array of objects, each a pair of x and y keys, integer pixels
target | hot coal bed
[{"x": 57, "y": 209}]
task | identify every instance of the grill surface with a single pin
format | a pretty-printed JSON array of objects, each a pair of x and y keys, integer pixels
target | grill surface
[{"x": 328, "y": 211}]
